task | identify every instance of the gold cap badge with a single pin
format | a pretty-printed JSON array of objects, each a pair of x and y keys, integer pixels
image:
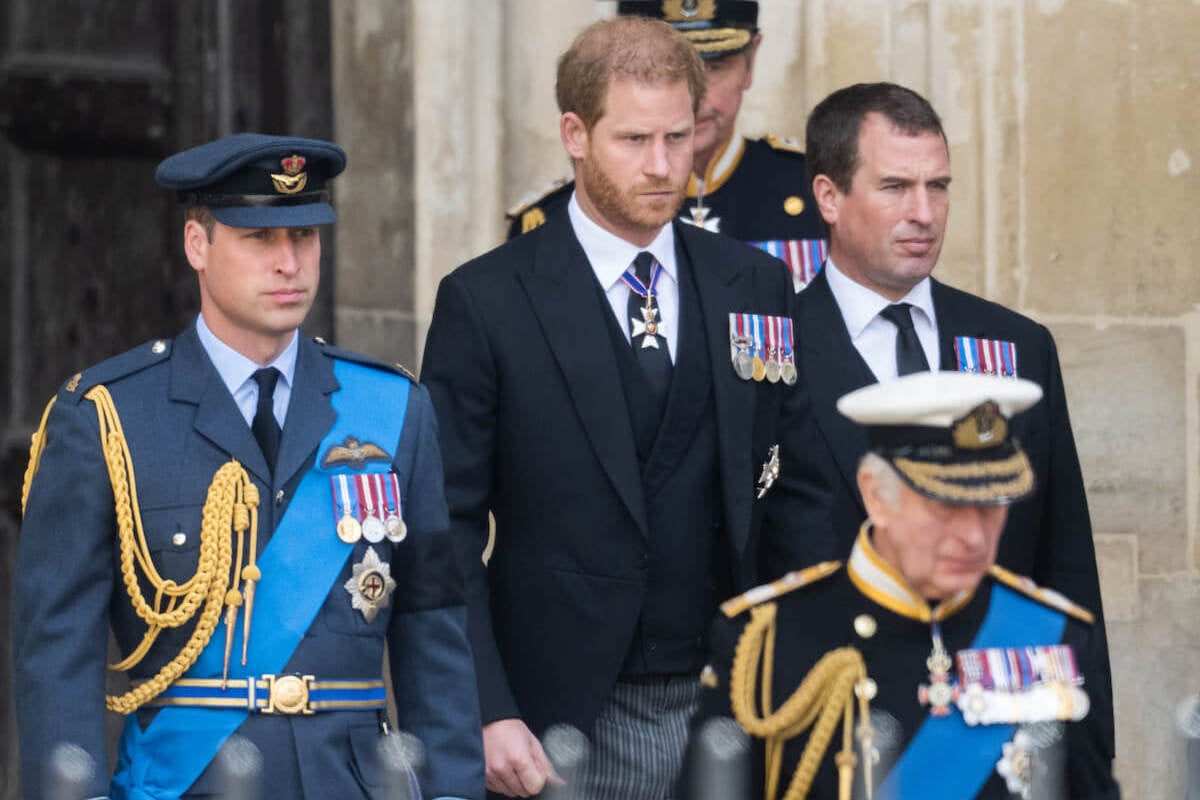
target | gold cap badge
[
  {"x": 689, "y": 10},
  {"x": 985, "y": 426},
  {"x": 293, "y": 178}
]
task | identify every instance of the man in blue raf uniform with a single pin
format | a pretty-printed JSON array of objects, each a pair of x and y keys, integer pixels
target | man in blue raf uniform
[
  {"x": 755, "y": 190},
  {"x": 255, "y": 515},
  {"x": 933, "y": 673}
]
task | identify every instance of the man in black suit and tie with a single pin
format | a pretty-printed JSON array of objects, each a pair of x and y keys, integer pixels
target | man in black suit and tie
[
  {"x": 586, "y": 396},
  {"x": 881, "y": 178}
]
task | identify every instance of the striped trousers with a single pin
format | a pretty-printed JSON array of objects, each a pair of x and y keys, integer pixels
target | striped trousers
[{"x": 639, "y": 739}]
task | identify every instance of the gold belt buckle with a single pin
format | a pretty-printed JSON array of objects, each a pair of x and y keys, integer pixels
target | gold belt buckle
[{"x": 287, "y": 694}]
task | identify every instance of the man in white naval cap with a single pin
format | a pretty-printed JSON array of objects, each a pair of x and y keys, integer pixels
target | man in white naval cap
[{"x": 971, "y": 680}]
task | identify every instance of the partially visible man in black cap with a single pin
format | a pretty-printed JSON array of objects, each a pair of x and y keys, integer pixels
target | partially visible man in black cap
[
  {"x": 919, "y": 668},
  {"x": 755, "y": 190},
  {"x": 255, "y": 515}
]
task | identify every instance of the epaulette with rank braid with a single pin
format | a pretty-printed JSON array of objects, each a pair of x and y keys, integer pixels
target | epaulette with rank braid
[
  {"x": 367, "y": 361},
  {"x": 74, "y": 388},
  {"x": 528, "y": 209},
  {"x": 777, "y": 588},
  {"x": 785, "y": 143},
  {"x": 113, "y": 369},
  {"x": 1047, "y": 597}
]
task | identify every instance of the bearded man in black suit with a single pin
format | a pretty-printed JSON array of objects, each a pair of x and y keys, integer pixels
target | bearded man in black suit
[
  {"x": 585, "y": 386},
  {"x": 881, "y": 177}
]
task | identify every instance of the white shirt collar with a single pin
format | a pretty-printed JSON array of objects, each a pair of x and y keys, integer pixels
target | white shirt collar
[
  {"x": 860, "y": 305},
  {"x": 610, "y": 255},
  {"x": 234, "y": 368}
]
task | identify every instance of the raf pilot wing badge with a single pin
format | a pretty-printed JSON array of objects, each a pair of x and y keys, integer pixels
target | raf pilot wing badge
[{"x": 354, "y": 454}]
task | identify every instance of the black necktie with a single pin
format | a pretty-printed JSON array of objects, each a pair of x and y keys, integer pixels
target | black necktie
[
  {"x": 910, "y": 357},
  {"x": 655, "y": 361},
  {"x": 264, "y": 427}
]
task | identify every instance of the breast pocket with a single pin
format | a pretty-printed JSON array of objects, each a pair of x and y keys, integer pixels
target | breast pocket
[{"x": 173, "y": 538}]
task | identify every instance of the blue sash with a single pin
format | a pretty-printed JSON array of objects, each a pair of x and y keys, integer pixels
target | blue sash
[
  {"x": 948, "y": 759},
  {"x": 299, "y": 565}
]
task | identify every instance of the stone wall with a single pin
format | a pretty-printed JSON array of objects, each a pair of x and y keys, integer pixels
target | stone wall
[{"x": 1073, "y": 127}]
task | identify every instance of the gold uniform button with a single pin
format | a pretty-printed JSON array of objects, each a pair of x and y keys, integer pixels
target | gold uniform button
[
  {"x": 866, "y": 689},
  {"x": 179, "y": 539},
  {"x": 793, "y": 206},
  {"x": 864, "y": 625}
]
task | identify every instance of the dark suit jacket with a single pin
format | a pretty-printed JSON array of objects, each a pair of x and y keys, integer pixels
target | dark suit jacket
[
  {"x": 182, "y": 424},
  {"x": 1048, "y": 536},
  {"x": 535, "y": 430}
]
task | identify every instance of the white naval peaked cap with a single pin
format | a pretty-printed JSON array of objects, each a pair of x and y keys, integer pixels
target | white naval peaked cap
[
  {"x": 936, "y": 399},
  {"x": 947, "y": 434}
]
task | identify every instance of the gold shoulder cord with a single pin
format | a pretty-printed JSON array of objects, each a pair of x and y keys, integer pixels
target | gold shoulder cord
[
  {"x": 36, "y": 445},
  {"x": 826, "y": 693},
  {"x": 231, "y": 505}
]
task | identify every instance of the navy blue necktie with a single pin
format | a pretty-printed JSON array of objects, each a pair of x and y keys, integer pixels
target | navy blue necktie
[{"x": 265, "y": 427}]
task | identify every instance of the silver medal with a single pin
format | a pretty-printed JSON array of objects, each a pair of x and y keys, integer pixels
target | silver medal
[
  {"x": 373, "y": 529},
  {"x": 396, "y": 529}
]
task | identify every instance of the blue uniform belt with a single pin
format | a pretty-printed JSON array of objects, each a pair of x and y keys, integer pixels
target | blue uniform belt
[{"x": 274, "y": 694}]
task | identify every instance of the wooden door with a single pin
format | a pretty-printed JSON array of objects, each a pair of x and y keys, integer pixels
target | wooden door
[{"x": 92, "y": 95}]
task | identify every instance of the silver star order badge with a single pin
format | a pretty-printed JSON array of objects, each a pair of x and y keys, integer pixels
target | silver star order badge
[
  {"x": 1016, "y": 765},
  {"x": 646, "y": 327},
  {"x": 770, "y": 471},
  {"x": 700, "y": 219},
  {"x": 370, "y": 585}
]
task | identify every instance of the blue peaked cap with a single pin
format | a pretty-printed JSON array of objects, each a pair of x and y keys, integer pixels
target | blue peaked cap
[{"x": 252, "y": 180}]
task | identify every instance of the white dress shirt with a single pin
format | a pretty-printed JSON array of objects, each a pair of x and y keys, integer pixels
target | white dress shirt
[
  {"x": 237, "y": 373},
  {"x": 873, "y": 336},
  {"x": 610, "y": 256}
]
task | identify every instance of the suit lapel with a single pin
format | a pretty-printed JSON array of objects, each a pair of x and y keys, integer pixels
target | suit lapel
[
  {"x": 722, "y": 291},
  {"x": 195, "y": 380},
  {"x": 950, "y": 324},
  {"x": 562, "y": 292},
  {"x": 836, "y": 368},
  {"x": 310, "y": 414}
]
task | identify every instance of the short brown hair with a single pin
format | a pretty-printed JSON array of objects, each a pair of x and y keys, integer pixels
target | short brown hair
[
  {"x": 834, "y": 125},
  {"x": 202, "y": 215},
  {"x": 634, "y": 48}
]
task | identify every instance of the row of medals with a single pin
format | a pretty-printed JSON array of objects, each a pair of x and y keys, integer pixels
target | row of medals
[
  {"x": 373, "y": 529},
  {"x": 754, "y": 367}
]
